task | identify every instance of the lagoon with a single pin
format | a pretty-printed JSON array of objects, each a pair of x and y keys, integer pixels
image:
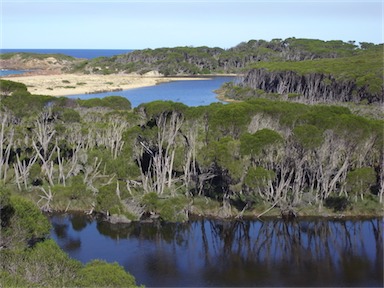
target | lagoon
[
  {"x": 208, "y": 253},
  {"x": 189, "y": 92},
  {"x": 8, "y": 72}
]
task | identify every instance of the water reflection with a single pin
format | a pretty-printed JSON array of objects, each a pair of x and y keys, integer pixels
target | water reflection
[{"x": 233, "y": 253}]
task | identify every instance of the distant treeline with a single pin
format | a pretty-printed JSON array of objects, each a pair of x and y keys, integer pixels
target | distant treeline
[{"x": 206, "y": 60}]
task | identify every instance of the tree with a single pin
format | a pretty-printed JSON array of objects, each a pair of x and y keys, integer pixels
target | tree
[
  {"x": 255, "y": 144},
  {"x": 260, "y": 180},
  {"x": 360, "y": 180}
]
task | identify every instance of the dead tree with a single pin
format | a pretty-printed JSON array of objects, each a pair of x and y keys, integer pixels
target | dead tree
[
  {"x": 168, "y": 128},
  {"x": 41, "y": 142},
  {"x": 46, "y": 197},
  {"x": 189, "y": 167},
  {"x": 22, "y": 169},
  {"x": 6, "y": 143},
  {"x": 158, "y": 175}
]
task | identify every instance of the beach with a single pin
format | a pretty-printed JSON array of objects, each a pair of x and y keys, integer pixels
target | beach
[{"x": 70, "y": 84}]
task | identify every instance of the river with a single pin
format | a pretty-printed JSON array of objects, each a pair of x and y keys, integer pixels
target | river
[
  {"x": 204, "y": 252},
  {"x": 189, "y": 92}
]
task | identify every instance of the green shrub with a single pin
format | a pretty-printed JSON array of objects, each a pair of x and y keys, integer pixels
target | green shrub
[
  {"x": 169, "y": 209},
  {"x": 117, "y": 103},
  {"x": 8, "y": 87},
  {"x": 98, "y": 273},
  {"x": 24, "y": 222},
  {"x": 44, "y": 265},
  {"x": 108, "y": 201}
]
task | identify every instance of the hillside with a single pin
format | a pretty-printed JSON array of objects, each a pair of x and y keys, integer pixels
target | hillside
[
  {"x": 306, "y": 70},
  {"x": 347, "y": 79},
  {"x": 206, "y": 60},
  {"x": 42, "y": 63}
]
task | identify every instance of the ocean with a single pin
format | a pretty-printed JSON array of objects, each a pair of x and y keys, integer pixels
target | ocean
[{"x": 78, "y": 53}]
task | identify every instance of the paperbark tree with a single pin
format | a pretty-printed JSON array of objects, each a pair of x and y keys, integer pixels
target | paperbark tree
[{"x": 6, "y": 143}]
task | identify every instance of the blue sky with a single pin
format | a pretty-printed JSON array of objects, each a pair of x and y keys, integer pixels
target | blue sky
[{"x": 128, "y": 24}]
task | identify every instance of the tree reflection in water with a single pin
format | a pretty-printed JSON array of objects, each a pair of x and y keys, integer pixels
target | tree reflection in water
[
  {"x": 273, "y": 252},
  {"x": 297, "y": 253}
]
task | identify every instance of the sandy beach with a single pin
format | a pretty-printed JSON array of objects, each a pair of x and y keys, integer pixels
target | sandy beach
[{"x": 69, "y": 84}]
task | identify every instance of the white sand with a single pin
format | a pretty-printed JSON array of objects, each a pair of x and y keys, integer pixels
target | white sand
[{"x": 69, "y": 84}]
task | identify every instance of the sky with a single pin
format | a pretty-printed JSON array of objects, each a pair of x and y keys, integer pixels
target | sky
[{"x": 129, "y": 24}]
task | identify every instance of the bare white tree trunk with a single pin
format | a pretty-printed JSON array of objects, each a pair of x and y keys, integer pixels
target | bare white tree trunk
[
  {"x": 22, "y": 169},
  {"x": 6, "y": 143},
  {"x": 46, "y": 197}
]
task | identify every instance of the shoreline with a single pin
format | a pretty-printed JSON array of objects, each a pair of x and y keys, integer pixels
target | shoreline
[{"x": 58, "y": 85}]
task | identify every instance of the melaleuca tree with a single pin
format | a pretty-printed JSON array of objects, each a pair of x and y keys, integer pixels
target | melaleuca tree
[{"x": 359, "y": 181}]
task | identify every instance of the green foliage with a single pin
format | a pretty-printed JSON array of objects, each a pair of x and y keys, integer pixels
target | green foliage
[
  {"x": 360, "y": 180},
  {"x": 323, "y": 117},
  {"x": 353, "y": 128},
  {"x": 206, "y": 60},
  {"x": 23, "y": 222},
  {"x": 50, "y": 265},
  {"x": 70, "y": 116},
  {"x": 12, "y": 280},
  {"x": 4, "y": 196},
  {"x": 254, "y": 144},
  {"x": 365, "y": 68},
  {"x": 225, "y": 153},
  {"x": 155, "y": 108},
  {"x": 23, "y": 104},
  {"x": 8, "y": 87},
  {"x": 258, "y": 177},
  {"x": 108, "y": 201},
  {"x": 39, "y": 56},
  {"x": 117, "y": 103},
  {"x": 169, "y": 209},
  {"x": 98, "y": 273},
  {"x": 112, "y": 102},
  {"x": 46, "y": 265},
  {"x": 230, "y": 120},
  {"x": 308, "y": 136}
]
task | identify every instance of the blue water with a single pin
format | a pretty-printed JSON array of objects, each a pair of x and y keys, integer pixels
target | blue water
[
  {"x": 304, "y": 253},
  {"x": 5, "y": 72},
  {"x": 78, "y": 53},
  {"x": 189, "y": 92}
]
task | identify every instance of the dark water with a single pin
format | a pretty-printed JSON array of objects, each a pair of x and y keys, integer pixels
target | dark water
[
  {"x": 232, "y": 253},
  {"x": 78, "y": 53},
  {"x": 191, "y": 93}
]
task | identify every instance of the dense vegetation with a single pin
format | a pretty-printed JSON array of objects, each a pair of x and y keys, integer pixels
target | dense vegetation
[
  {"x": 164, "y": 160},
  {"x": 206, "y": 60},
  {"x": 167, "y": 160},
  {"x": 31, "y": 56},
  {"x": 348, "y": 79}
]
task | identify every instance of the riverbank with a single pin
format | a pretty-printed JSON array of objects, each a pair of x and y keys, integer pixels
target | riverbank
[{"x": 70, "y": 84}]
